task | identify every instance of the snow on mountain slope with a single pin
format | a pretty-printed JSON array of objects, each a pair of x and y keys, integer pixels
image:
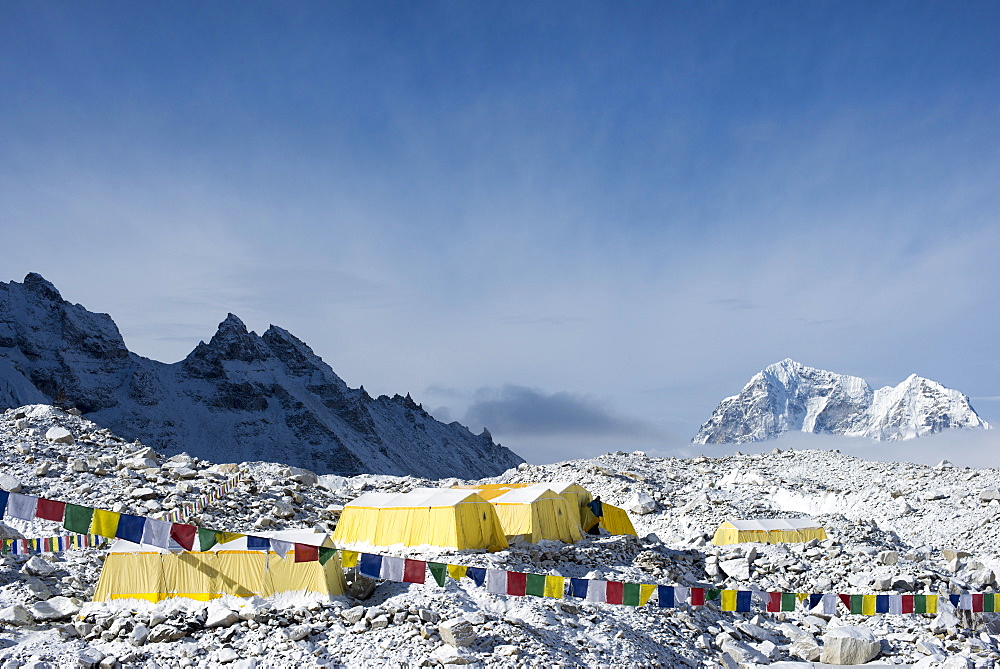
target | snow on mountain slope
[
  {"x": 789, "y": 396},
  {"x": 241, "y": 396}
]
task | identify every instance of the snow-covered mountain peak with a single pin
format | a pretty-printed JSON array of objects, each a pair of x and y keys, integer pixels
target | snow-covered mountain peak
[
  {"x": 36, "y": 283},
  {"x": 239, "y": 396},
  {"x": 790, "y": 396}
]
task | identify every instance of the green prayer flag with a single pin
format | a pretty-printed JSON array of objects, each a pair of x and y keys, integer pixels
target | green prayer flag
[
  {"x": 206, "y": 538},
  {"x": 325, "y": 554},
  {"x": 788, "y": 601},
  {"x": 712, "y": 594},
  {"x": 439, "y": 571},
  {"x": 920, "y": 603},
  {"x": 630, "y": 594},
  {"x": 857, "y": 604},
  {"x": 989, "y": 604},
  {"x": 535, "y": 585},
  {"x": 77, "y": 518}
]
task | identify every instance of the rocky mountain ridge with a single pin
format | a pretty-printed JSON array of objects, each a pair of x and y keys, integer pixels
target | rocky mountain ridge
[
  {"x": 789, "y": 396},
  {"x": 241, "y": 396}
]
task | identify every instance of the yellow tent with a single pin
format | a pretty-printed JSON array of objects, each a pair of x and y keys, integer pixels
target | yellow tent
[
  {"x": 535, "y": 512},
  {"x": 426, "y": 516},
  {"x": 771, "y": 531},
  {"x": 615, "y": 520},
  {"x": 133, "y": 571}
]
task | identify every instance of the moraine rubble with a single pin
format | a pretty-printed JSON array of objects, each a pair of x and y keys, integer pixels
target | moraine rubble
[{"x": 892, "y": 527}]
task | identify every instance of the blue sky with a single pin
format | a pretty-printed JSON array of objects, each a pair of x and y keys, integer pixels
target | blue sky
[{"x": 582, "y": 224}]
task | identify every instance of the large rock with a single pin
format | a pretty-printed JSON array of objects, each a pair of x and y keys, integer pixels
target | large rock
[
  {"x": 805, "y": 648},
  {"x": 220, "y": 616},
  {"x": 849, "y": 645},
  {"x": 37, "y": 566},
  {"x": 56, "y": 608},
  {"x": 641, "y": 503},
  {"x": 738, "y": 568},
  {"x": 458, "y": 632},
  {"x": 16, "y": 615},
  {"x": 59, "y": 435},
  {"x": 8, "y": 482}
]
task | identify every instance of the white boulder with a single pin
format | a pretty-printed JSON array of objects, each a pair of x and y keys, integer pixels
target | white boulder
[
  {"x": 56, "y": 608},
  {"x": 641, "y": 503},
  {"x": 849, "y": 644},
  {"x": 59, "y": 435}
]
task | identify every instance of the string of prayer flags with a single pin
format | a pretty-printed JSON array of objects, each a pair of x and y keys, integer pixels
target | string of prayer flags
[{"x": 54, "y": 544}]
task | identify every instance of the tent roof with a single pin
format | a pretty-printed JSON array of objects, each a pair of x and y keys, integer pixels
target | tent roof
[
  {"x": 527, "y": 495},
  {"x": 295, "y": 536},
  {"x": 769, "y": 524},
  {"x": 418, "y": 497}
]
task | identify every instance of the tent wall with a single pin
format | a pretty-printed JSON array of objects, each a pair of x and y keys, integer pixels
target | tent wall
[
  {"x": 730, "y": 534},
  {"x": 471, "y": 523},
  {"x": 549, "y": 516},
  {"x": 211, "y": 574}
]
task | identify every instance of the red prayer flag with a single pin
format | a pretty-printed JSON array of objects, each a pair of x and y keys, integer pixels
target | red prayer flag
[
  {"x": 907, "y": 604},
  {"x": 50, "y": 509},
  {"x": 846, "y": 599},
  {"x": 697, "y": 596},
  {"x": 614, "y": 592},
  {"x": 774, "y": 602},
  {"x": 183, "y": 535},
  {"x": 977, "y": 602},
  {"x": 306, "y": 553},
  {"x": 517, "y": 583},
  {"x": 414, "y": 571}
]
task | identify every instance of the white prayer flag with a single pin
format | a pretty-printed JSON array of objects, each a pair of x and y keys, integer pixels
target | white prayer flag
[
  {"x": 597, "y": 591},
  {"x": 496, "y": 581},
  {"x": 392, "y": 568},
  {"x": 156, "y": 533},
  {"x": 21, "y": 506}
]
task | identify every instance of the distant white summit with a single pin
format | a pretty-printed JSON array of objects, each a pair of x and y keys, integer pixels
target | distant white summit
[{"x": 791, "y": 397}]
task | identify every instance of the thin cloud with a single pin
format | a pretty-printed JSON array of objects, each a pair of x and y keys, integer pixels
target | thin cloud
[{"x": 520, "y": 411}]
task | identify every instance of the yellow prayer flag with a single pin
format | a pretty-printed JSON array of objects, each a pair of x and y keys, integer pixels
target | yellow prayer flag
[
  {"x": 457, "y": 571},
  {"x": 728, "y": 600},
  {"x": 932, "y": 602},
  {"x": 646, "y": 591},
  {"x": 105, "y": 523},
  {"x": 555, "y": 586},
  {"x": 868, "y": 605},
  {"x": 348, "y": 559},
  {"x": 226, "y": 537}
]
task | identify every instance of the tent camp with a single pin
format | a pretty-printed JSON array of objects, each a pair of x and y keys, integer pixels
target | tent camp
[
  {"x": 535, "y": 512},
  {"x": 426, "y": 516},
  {"x": 133, "y": 571},
  {"x": 771, "y": 531}
]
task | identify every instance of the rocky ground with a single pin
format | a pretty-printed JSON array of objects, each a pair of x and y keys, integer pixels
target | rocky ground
[{"x": 893, "y": 527}]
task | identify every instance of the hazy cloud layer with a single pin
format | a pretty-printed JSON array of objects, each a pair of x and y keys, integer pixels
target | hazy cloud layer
[{"x": 527, "y": 412}]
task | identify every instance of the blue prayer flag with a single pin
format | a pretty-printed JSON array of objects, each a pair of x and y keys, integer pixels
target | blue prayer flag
[
  {"x": 881, "y": 603},
  {"x": 665, "y": 597},
  {"x": 578, "y": 587},
  {"x": 258, "y": 543},
  {"x": 477, "y": 574},
  {"x": 130, "y": 528},
  {"x": 370, "y": 565},
  {"x": 743, "y": 600}
]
